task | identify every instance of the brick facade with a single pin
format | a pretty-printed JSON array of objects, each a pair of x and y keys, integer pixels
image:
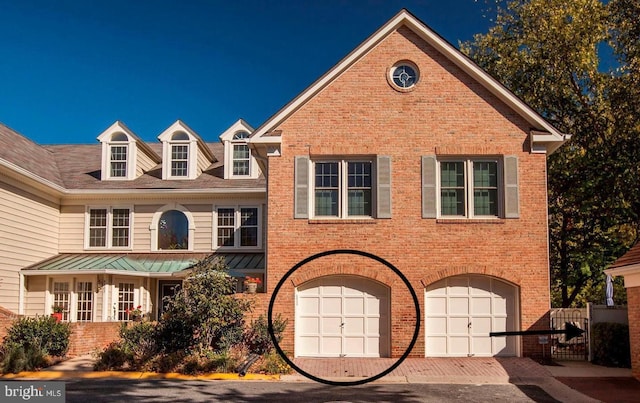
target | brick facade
[
  {"x": 448, "y": 113},
  {"x": 88, "y": 337},
  {"x": 633, "y": 303}
]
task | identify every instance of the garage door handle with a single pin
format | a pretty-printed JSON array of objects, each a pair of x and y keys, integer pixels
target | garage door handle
[
  {"x": 469, "y": 325},
  {"x": 342, "y": 325}
]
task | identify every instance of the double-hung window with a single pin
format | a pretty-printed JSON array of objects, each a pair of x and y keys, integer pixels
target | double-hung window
[
  {"x": 342, "y": 189},
  {"x": 118, "y": 161},
  {"x": 241, "y": 154},
  {"x": 237, "y": 227},
  {"x": 109, "y": 228},
  {"x": 179, "y": 160},
  {"x": 469, "y": 188},
  {"x": 345, "y": 188}
]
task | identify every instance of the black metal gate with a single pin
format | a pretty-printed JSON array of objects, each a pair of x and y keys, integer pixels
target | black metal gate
[{"x": 576, "y": 348}]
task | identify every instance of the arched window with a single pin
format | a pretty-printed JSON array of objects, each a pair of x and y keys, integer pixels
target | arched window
[{"x": 173, "y": 230}]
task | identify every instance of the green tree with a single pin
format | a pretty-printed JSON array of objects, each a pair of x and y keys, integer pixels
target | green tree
[
  {"x": 548, "y": 53},
  {"x": 205, "y": 313}
]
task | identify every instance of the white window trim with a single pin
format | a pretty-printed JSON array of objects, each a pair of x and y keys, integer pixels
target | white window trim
[
  {"x": 137, "y": 292},
  {"x": 153, "y": 228},
  {"x": 190, "y": 158},
  {"x": 468, "y": 188},
  {"x": 107, "y": 143},
  {"x": 109, "y": 234},
  {"x": 250, "y": 161},
  {"x": 237, "y": 218},
  {"x": 73, "y": 295},
  {"x": 342, "y": 189}
]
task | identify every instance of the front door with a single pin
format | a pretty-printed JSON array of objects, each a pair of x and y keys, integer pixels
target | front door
[{"x": 166, "y": 289}]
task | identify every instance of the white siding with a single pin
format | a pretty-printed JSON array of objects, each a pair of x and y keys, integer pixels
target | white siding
[
  {"x": 72, "y": 229},
  {"x": 203, "y": 163},
  {"x": 141, "y": 221},
  {"x": 202, "y": 216},
  {"x": 28, "y": 234},
  {"x": 35, "y": 298},
  {"x": 143, "y": 163}
]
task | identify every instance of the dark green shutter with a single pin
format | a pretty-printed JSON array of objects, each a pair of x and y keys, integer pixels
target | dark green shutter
[
  {"x": 511, "y": 196},
  {"x": 383, "y": 190},
  {"x": 301, "y": 194},
  {"x": 429, "y": 188}
]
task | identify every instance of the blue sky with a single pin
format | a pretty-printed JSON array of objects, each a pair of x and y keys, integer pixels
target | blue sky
[{"x": 70, "y": 68}]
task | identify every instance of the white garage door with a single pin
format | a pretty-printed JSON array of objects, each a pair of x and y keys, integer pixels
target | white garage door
[
  {"x": 342, "y": 316},
  {"x": 461, "y": 311}
]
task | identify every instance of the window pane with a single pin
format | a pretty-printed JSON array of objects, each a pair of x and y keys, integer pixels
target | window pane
[
  {"x": 359, "y": 201},
  {"x": 359, "y": 174},
  {"x": 248, "y": 226},
  {"x": 359, "y": 188},
  {"x": 226, "y": 227},
  {"x": 452, "y": 202},
  {"x": 98, "y": 228},
  {"x": 484, "y": 202},
  {"x": 125, "y": 300},
  {"x": 485, "y": 188},
  {"x": 84, "y": 308},
  {"x": 61, "y": 298},
  {"x": 326, "y": 175},
  {"x": 118, "y": 161},
  {"x": 326, "y": 202},
  {"x": 241, "y": 167},
  {"x": 240, "y": 159},
  {"x": 249, "y": 236},
  {"x": 173, "y": 231},
  {"x": 120, "y": 229},
  {"x": 179, "y": 159},
  {"x": 485, "y": 174},
  {"x": 249, "y": 216},
  {"x": 326, "y": 192},
  {"x": 451, "y": 174}
]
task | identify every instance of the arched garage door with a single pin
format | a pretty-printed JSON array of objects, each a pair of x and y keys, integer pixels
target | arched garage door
[
  {"x": 461, "y": 311},
  {"x": 342, "y": 316}
]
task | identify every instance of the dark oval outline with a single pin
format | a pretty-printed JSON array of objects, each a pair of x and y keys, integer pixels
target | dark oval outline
[{"x": 335, "y": 252}]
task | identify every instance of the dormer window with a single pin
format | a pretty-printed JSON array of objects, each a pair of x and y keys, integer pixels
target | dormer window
[
  {"x": 239, "y": 163},
  {"x": 241, "y": 154},
  {"x": 184, "y": 154},
  {"x": 180, "y": 155},
  {"x": 118, "y": 155},
  {"x": 124, "y": 155}
]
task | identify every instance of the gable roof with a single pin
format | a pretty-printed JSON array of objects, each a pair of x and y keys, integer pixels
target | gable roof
[
  {"x": 179, "y": 125},
  {"x": 119, "y": 126},
  {"x": 75, "y": 168},
  {"x": 632, "y": 257},
  {"x": 79, "y": 167},
  {"x": 21, "y": 154},
  {"x": 543, "y": 134}
]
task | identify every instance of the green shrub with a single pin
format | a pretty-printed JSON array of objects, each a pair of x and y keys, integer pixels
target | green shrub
[
  {"x": 17, "y": 358},
  {"x": 113, "y": 357},
  {"x": 257, "y": 337},
  {"x": 610, "y": 343},
  {"x": 139, "y": 339},
  {"x": 43, "y": 333}
]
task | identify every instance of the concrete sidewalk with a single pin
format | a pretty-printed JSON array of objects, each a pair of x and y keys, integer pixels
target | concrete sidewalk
[{"x": 475, "y": 370}]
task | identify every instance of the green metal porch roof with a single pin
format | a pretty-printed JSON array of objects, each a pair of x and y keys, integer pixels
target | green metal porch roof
[{"x": 139, "y": 263}]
